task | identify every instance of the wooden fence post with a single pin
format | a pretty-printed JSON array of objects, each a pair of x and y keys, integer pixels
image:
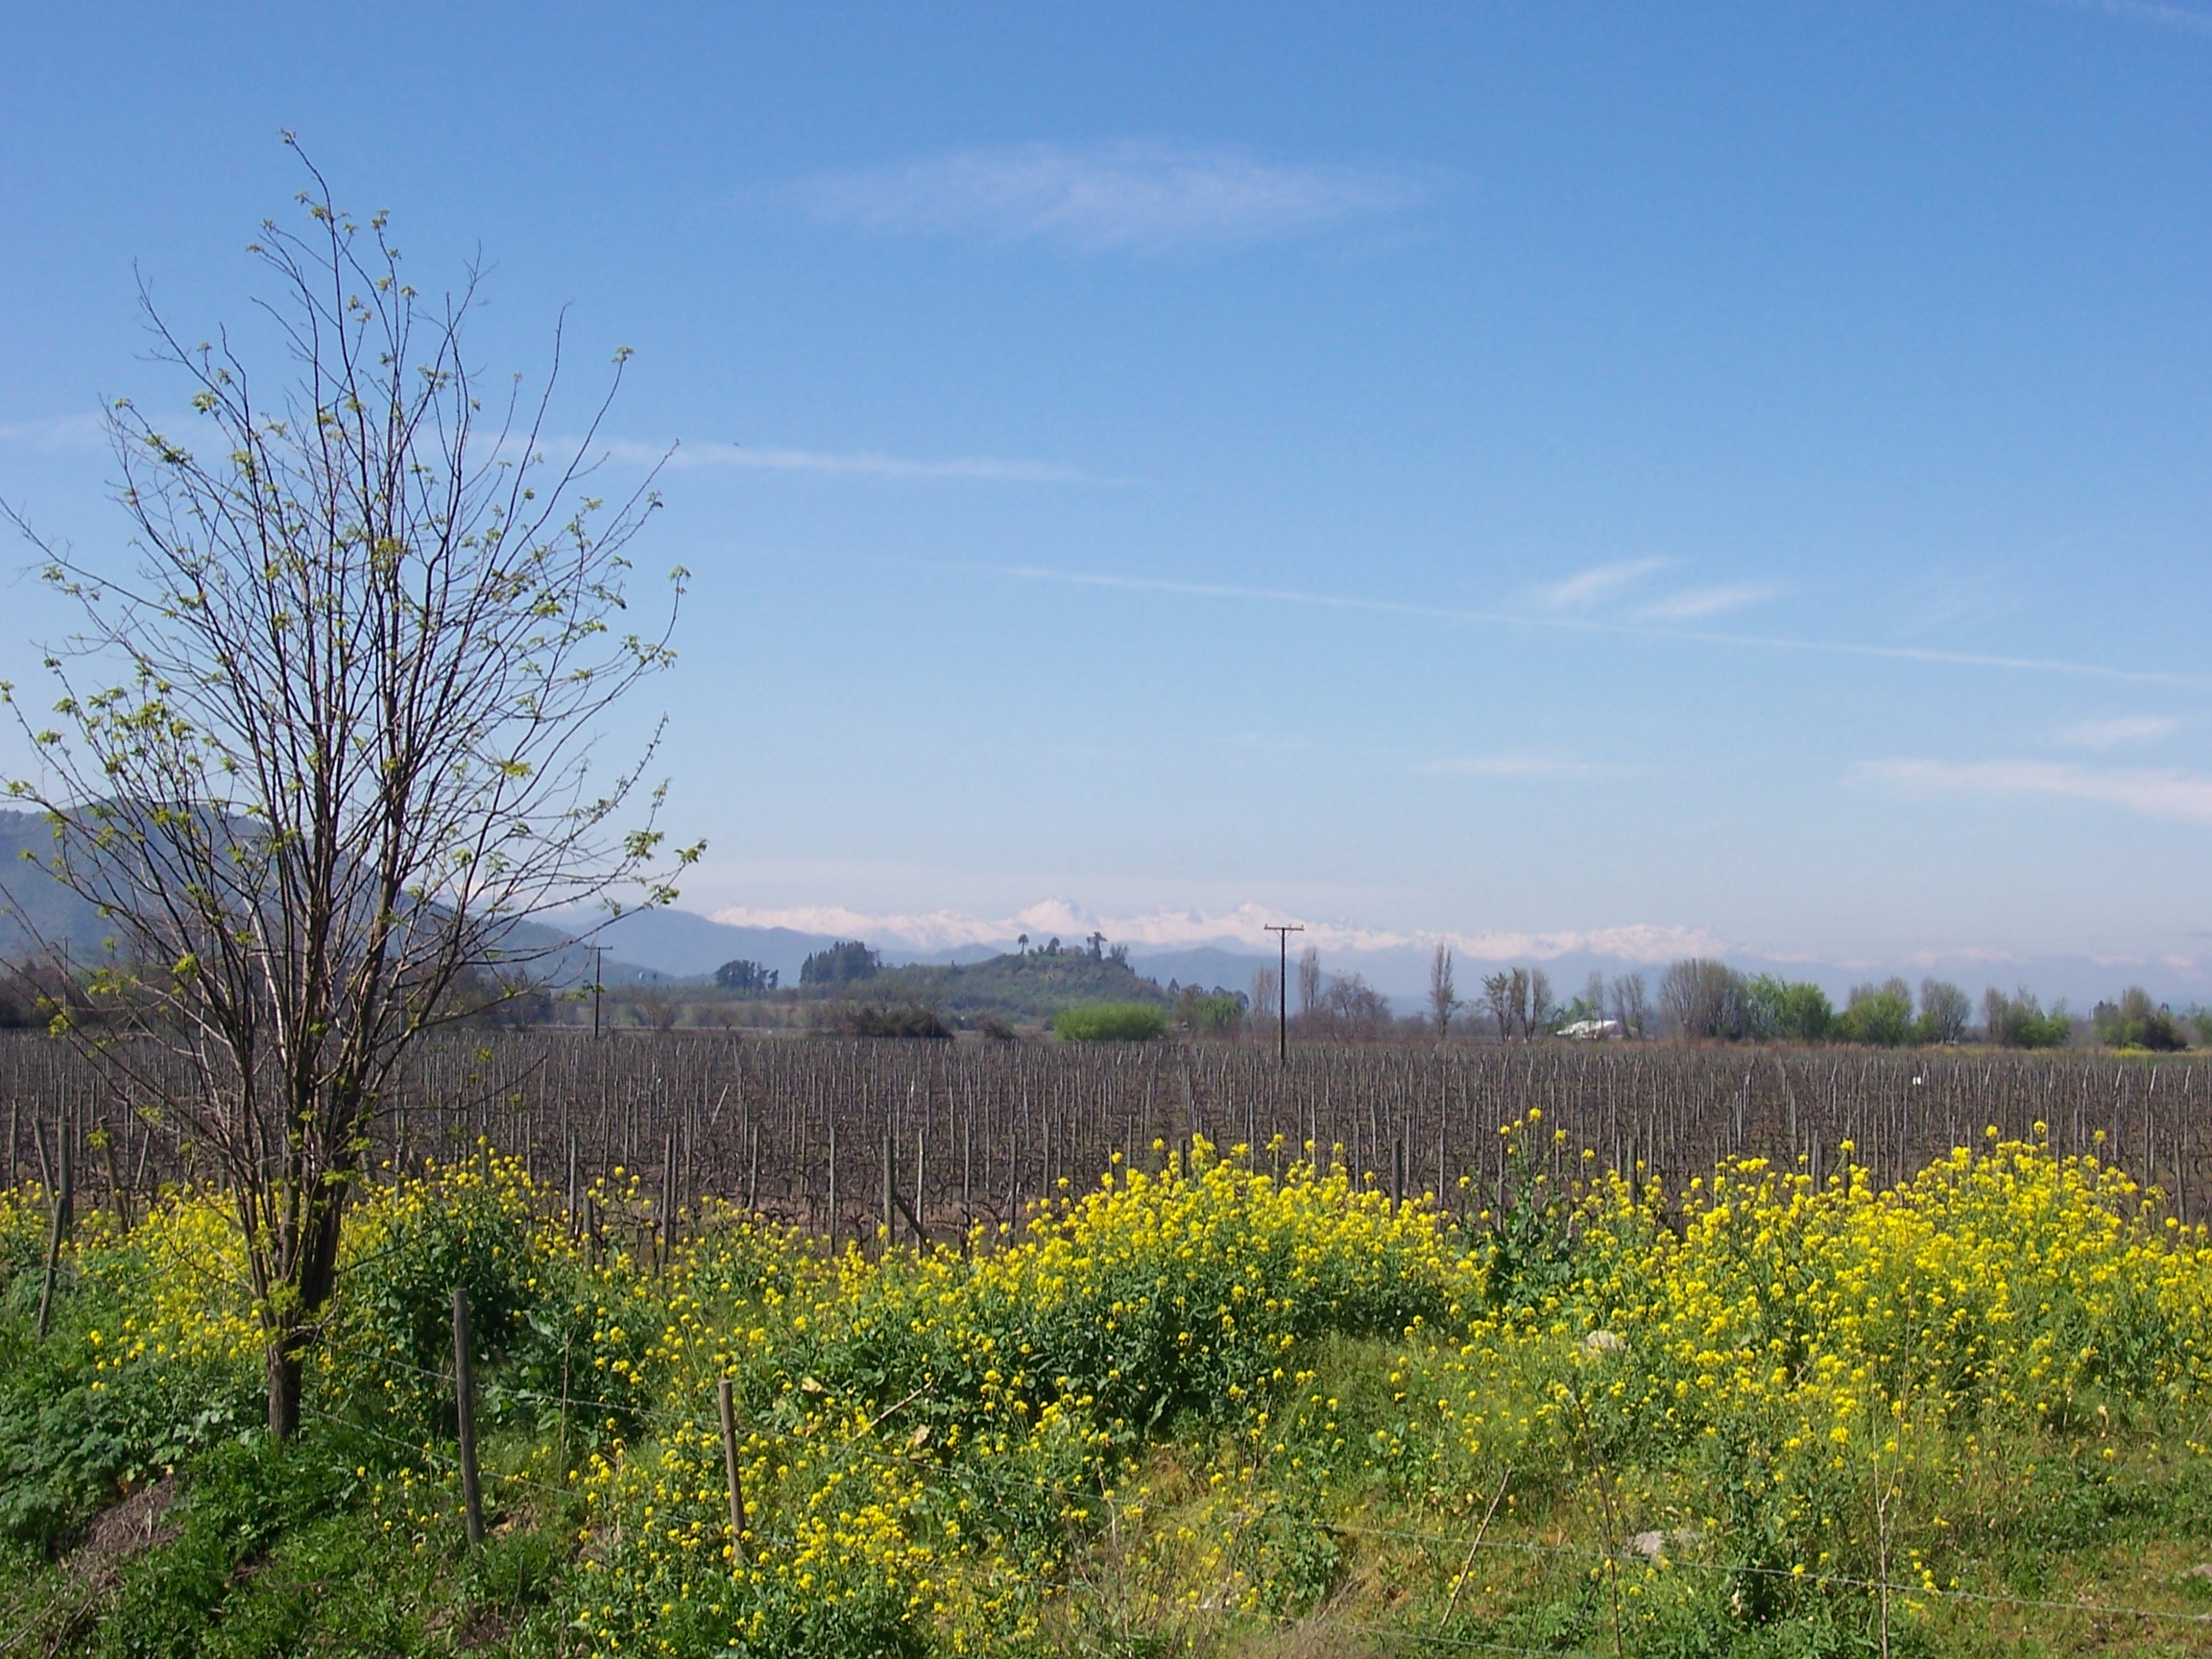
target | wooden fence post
[
  {"x": 465, "y": 1421},
  {"x": 62, "y": 1201},
  {"x": 670, "y": 1196},
  {"x": 736, "y": 1480},
  {"x": 890, "y": 1186},
  {"x": 118, "y": 1199}
]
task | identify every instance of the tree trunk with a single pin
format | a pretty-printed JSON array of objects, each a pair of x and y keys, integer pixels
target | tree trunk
[
  {"x": 286, "y": 1363},
  {"x": 314, "y": 1276}
]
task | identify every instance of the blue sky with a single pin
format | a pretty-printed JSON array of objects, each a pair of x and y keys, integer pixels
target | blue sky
[{"x": 1596, "y": 478}]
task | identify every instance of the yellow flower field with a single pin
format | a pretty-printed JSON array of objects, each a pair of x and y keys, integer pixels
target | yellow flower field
[{"x": 1203, "y": 1404}]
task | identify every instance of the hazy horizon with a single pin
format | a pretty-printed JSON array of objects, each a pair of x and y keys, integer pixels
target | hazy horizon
[{"x": 1225, "y": 951}]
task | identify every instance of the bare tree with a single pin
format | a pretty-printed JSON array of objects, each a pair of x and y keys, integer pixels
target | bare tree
[
  {"x": 1309, "y": 982},
  {"x": 332, "y": 737},
  {"x": 1499, "y": 997},
  {"x": 1629, "y": 1006},
  {"x": 1266, "y": 997},
  {"x": 1541, "y": 1008},
  {"x": 1443, "y": 999},
  {"x": 1702, "y": 998},
  {"x": 1945, "y": 1011},
  {"x": 1354, "y": 1010}
]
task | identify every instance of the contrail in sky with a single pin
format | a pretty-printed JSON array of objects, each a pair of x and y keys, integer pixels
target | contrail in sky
[{"x": 1926, "y": 654}]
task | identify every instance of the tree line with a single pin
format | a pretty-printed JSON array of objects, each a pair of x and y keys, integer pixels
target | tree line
[{"x": 1702, "y": 1000}]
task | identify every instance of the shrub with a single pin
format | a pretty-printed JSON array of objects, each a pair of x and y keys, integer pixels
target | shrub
[
  {"x": 1789, "y": 1349},
  {"x": 153, "y": 1355},
  {"x": 1110, "y": 1022},
  {"x": 1154, "y": 1294},
  {"x": 1006, "y": 1392},
  {"x": 479, "y": 1225},
  {"x": 915, "y": 1020}
]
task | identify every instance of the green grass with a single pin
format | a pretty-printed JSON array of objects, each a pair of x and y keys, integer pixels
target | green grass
[{"x": 272, "y": 1552}]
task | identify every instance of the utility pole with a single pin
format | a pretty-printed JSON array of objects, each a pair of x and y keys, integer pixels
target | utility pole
[
  {"x": 598, "y": 955},
  {"x": 1283, "y": 932}
]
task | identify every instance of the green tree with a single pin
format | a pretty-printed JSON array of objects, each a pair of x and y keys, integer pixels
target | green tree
[
  {"x": 1781, "y": 1010},
  {"x": 2135, "y": 1021},
  {"x": 2018, "y": 1020},
  {"x": 1879, "y": 1016},
  {"x": 1217, "y": 1013},
  {"x": 746, "y": 977},
  {"x": 843, "y": 963}
]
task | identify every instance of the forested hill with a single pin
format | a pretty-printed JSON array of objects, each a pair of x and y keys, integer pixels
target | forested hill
[{"x": 1029, "y": 987}]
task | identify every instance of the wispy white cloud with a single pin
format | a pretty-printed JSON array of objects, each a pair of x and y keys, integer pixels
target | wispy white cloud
[
  {"x": 849, "y": 464},
  {"x": 1693, "y": 603},
  {"x": 1589, "y": 587},
  {"x": 2153, "y": 12},
  {"x": 1593, "y": 625},
  {"x": 1127, "y": 197},
  {"x": 1605, "y": 582},
  {"x": 1242, "y": 927},
  {"x": 2165, "y": 792},
  {"x": 2114, "y": 733},
  {"x": 924, "y": 931}
]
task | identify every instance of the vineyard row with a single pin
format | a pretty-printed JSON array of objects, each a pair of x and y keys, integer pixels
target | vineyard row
[{"x": 839, "y": 1136}]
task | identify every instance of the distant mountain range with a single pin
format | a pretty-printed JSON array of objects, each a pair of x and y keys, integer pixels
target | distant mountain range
[
  {"x": 664, "y": 946},
  {"x": 36, "y": 913},
  {"x": 35, "y": 908}
]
